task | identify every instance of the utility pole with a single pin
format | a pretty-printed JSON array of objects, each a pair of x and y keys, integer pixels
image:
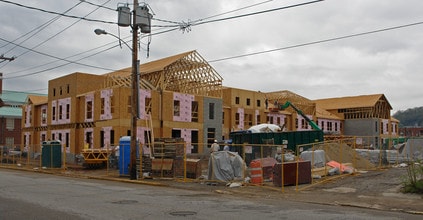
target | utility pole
[
  {"x": 134, "y": 97},
  {"x": 141, "y": 18}
]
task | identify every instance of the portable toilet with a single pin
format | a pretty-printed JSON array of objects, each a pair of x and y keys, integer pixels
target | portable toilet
[
  {"x": 51, "y": 154},
  {"x": 125, "y": 154}
]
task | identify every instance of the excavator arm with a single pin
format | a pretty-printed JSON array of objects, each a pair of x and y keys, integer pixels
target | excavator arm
[{"x": 311, "y": 122}]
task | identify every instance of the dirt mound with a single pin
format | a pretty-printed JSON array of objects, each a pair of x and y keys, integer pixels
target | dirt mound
[{"x": 343, "y": 153}]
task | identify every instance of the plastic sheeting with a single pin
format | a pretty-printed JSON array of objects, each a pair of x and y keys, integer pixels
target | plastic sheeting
[
  {"x": 316, "y": 157},
  {"x": 264, "y": 128},
  {"x": 413, "y": 149},
  {"x": 226, "y": 166}
]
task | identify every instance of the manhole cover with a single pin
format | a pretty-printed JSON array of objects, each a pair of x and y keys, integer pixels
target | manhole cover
[
  {"x": 183, "y": 213},
  {"x": 125, "y": 202}
]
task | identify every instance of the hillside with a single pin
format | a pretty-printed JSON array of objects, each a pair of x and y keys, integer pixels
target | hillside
[{"x": 410, "y": 117}]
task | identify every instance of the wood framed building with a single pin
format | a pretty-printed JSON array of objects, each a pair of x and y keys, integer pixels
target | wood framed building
[
  {"x": 182, "y": 96},
  {"x": 179, "y": 97},
  {"x": 244, "y": 108},
  {"x": 365, "y": 115}
]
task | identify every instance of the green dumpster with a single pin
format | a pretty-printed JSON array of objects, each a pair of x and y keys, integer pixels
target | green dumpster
[{"x": 51, "y": 154}]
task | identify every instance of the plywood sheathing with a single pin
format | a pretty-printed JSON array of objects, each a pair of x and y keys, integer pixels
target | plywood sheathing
[
  {"x": 184, "y": 73},
  {"x": 37, "y": 100},
  {"x": 322, "y": 113}
]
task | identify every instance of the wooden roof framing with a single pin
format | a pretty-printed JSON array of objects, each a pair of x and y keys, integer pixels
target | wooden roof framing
[
  {"x": 356, "y": 107},
  {"x": 124, "y": 79},
  {"x": 305, "y": 105},
  {"x": 323, "y": 114},
  {"x": 185, "y": 73}
]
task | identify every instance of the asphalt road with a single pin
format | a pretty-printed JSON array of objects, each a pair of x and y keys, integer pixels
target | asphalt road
[{"x": 30, "y": 195}]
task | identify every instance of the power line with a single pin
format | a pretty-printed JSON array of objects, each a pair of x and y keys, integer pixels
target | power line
[
  {"x": 188, "y": 25},
  {"x": 39, "y": 29},
  {"x": 245, "y": 7},
  {"x": 26, "y": 91},
  {"x": 97, "y": 5},
  {"x": 159, "y": 33},
  {"x": 56, "y": 13},
  {"x": 78, "y": 54},
  {"x": 61, "y": 31},
  {"x": 83, "y": 18},
  {"x": 65, "y": 64},
  {"x": 318, "y": 42},
  {"x": 48, "y": 55}
]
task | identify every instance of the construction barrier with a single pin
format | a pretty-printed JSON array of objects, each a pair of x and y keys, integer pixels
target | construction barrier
[
  {"x": 256, "y": 172},
  {"x": 264, "y": 165}
]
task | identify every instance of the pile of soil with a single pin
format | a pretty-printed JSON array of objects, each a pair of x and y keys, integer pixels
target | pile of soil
[{"x": 343, "y": 153}]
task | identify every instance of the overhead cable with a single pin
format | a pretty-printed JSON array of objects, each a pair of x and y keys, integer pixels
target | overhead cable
[
  {"x": 318, "y": 42},
  {"x": 36, "y": 31},
  {"x": 189, "y": 24},
  {"x": 56, "y": 13},
  {"x": 66, "y": 60},
  {"x": 65, "y": 64},
  {"x": 61, "y": 31},
  {"x": 39, "y": 28}
]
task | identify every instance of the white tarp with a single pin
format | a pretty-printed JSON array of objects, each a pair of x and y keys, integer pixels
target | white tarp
[
  {"x": 264, "y": 128},
  {"x": 226, "y": 166},
  {"x": 317, "y": 157}
]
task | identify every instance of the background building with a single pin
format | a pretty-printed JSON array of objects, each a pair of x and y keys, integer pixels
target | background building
[{"x": 11, "y": 103}]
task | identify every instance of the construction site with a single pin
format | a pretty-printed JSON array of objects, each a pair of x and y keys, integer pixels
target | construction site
[
  {"x": 192, "y": 130},
  {"x": 331, "y": 172}
]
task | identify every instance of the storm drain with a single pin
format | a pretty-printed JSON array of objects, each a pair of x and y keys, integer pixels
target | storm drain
[
  {"x": 183, "y": 213},
  {"x": 124, "y": 202}
]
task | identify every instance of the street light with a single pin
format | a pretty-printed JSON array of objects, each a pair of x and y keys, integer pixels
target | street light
[
  {"x": 100, "y": 32},
  {"x": 143, "y": 20}
]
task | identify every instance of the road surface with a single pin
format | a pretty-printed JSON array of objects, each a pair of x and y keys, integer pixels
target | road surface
[{"x": 31, "y": 195}]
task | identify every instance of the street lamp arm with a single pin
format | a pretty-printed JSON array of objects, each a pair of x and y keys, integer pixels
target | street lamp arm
[{"x": 100, "y": 31}]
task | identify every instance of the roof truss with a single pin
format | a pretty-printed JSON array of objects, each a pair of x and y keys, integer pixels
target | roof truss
[
  {"x": 304, "y": 104},
  {"x": 189, "y": 74}
]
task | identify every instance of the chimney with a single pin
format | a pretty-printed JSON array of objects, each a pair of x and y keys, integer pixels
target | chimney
[{"x": 1, "y": 83}]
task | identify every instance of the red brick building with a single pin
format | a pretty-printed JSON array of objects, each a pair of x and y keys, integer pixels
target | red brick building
[
  {"x": 411, "y": 131},
  {"x": 11, "y": 116}
]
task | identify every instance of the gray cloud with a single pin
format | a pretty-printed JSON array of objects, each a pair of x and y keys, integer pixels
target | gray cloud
[{"x": 387, "y": 62}]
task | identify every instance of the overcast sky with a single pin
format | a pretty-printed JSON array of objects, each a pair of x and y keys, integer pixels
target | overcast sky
[{"x": 322, "y": 49}]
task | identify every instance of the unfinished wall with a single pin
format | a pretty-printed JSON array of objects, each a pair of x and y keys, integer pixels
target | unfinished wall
[
  {"x": 105, "y": 101},
  {"x": 212, "y": 115}
]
